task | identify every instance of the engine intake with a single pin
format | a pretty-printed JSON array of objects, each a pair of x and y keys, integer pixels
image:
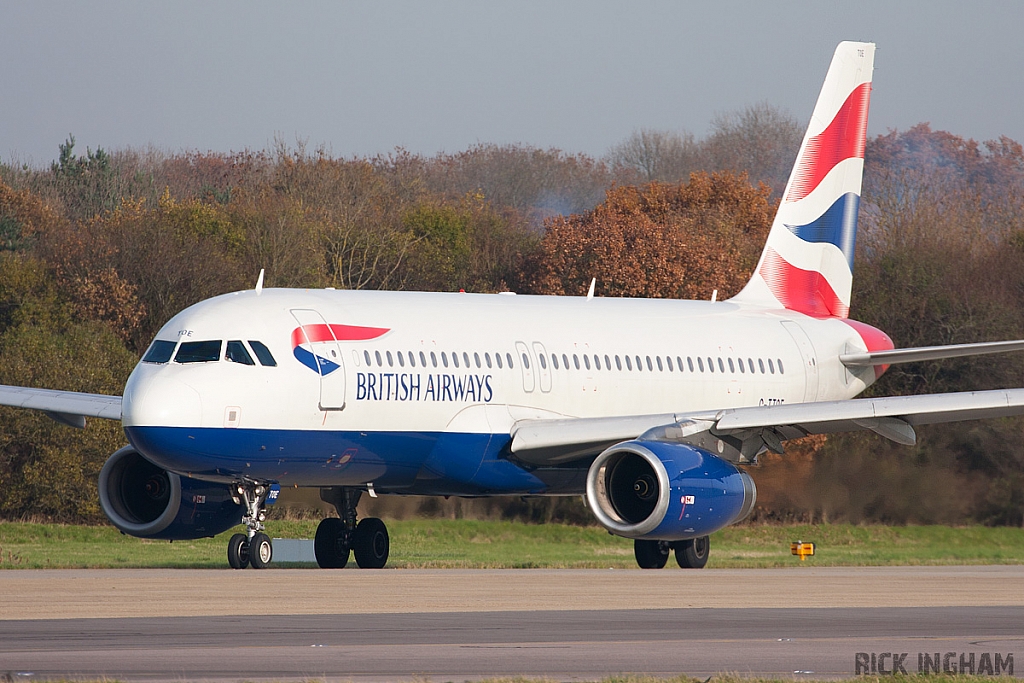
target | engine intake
[
  {"x": 144, "y": 500},
  {"x": 666, "y": 491}
]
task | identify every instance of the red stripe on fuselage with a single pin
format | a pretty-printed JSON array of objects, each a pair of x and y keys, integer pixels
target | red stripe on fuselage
[
  {"x": 321, "y": 333},
  {"x": 806, "y": 291},
  {"x": 843, "y": 139},
  {"x": 874, "y": 339}
]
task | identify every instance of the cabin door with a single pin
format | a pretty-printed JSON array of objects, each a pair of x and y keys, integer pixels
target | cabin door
[
  {"x": 317, "y": 348},
  {"x": 810, "y": 363}
]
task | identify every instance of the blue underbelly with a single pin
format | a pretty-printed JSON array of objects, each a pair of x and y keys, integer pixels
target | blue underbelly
[{"x": 427, "y": 462}]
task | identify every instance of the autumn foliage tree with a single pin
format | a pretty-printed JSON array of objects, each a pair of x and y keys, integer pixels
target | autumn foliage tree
[{"x": 659, "y": 240}]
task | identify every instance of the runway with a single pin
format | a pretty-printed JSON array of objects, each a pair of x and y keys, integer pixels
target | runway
[{"x": 298, "y": 625}]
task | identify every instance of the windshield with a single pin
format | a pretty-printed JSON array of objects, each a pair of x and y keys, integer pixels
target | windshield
[{"x": 198, "y": 352}]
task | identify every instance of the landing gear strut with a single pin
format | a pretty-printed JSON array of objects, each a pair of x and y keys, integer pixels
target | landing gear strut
[
  {"x": 690, "y": 554},
  {"x": 336, "y": 538},
  {"x": 253, "y": 548}
]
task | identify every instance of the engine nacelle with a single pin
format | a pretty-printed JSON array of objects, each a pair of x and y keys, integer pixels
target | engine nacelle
[
  {"x": 144, "y": 500},
  {"x": 666, "y": 491}
]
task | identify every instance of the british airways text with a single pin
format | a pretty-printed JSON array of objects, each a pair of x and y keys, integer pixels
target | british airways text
[{"x": 411, "y": 386}]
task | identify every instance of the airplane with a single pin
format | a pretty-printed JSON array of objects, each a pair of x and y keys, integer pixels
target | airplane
[{"x": 650, "y": 409}]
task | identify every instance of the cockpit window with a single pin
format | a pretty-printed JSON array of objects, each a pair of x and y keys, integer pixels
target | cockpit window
[
  {"x": 236, "y": 353},
  {"x": 263, "y": 353},
  {"x": 198, "y": 352},
  {"x": 159, "y": 352}
]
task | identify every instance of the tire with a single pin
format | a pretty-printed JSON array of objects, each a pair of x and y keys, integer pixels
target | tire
[
  {"x": 371, "y": 544},
  {"x": 238, "y": 551},
  {"x": 330, "y": 544},
  {"x": 261, "y": 551},
  {"x": 693, "y": 554},
  {"x": 650, "y": 554}
]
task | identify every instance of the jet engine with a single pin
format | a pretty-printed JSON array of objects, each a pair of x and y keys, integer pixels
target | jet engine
[
  {"x": 144, "y": 500},
  {"x": 666, "y": 491}
]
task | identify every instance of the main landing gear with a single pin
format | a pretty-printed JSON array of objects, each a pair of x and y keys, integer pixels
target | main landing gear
[
  {"x": 336, "y": 537},
  {"x": 690, "y": 554},
  {"x": 253, "y": 548}
]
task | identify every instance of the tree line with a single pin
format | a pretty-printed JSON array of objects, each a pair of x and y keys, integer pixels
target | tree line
[{"x": 100, "y": 249}]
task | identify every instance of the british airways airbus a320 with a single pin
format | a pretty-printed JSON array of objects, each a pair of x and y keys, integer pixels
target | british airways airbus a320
[{"x": 649, "y": 408}]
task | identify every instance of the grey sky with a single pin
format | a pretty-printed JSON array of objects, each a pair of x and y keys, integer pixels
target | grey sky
[{"x": 363, "y": 78}]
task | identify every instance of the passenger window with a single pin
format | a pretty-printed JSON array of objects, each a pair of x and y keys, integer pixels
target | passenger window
[
  {"x": 412, "y": 359},
  {"x": 711, "y": 364},
  {"x": 198, "y": 352},
  {"x": 487, "y": 359},
  {"x": 391, "y": 360},
  {"x": 543, "y": 361},
  {"x": 700, "y": 363},
  {"x": 366, "y": 355},
  {"x": 554, "y": 361},
  {"x": 508, "y": 357},
  {"x": 750, "y": 364},
  {"x": 771, "y": 366},
  {"x": 689, "y": 364},
  {"x": 444, "y": 359},
  {"x": 650, "y": 365},
  {"x": 739, "y": 361},
  {"x": 782, "y": 370},
  {"x": 586, "y": 361},
  {"x": 721, "y": 365},
  {"x": 576, "y": 361},
  {"x": 476, "y": 358},
  {"x": 497, "y": 359},
  {"x": 679, "y": 362},
  {"x": 159, "y": 352},
  {"x": 565, "y": 361},
  {"x": 401, "y": 359},
  {"x": 465, "y": 358},
  {"x": 423, "y": 360},
  {"x": 433, "y": 359},
  {"x": 455, "y": 359},
  {"x": 526, "y": 362},
  {"x": 618, "y": 362},
  {"x": 236, "y": 353},
  {"x": 376, "y": 355},
  {"x": 661, "y": 368},
  {"x": 732, "y": 366},
  {"x": 629, "y": 364},
  {"x": 607, "y": 362},
  {"x": 760, "y": 364},
  {"x": 597, "y": 362},
  {"x": 668, "y": 360},
  {"x": 639, "y": 364}
]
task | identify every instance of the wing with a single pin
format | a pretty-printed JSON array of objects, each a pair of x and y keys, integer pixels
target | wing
[
  {"x": 741, "y": 433},
  {"x": 893, "y": 356},
  {"x": 67, "y": 407}
]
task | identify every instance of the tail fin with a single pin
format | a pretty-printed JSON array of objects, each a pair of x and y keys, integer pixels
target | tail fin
[{"x": 807, "y": 263}]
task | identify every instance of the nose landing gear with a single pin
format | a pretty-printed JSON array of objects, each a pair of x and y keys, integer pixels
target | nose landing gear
[
  {"x": 253, "y": 548},
  {"x": 337, "y": 538}
]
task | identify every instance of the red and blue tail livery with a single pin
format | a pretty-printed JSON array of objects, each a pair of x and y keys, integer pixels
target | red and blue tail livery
[{"x": 807, "y": 263}]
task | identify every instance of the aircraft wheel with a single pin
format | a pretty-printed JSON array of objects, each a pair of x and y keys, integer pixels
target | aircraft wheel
[
  {"x": 371, "y": 543},
  {"x": 693, "y": 554},
  {"x": 651, "y": 554},
  {"x": 261, "y": 551},
  {"x": 331, "y": 544},
  {"x": 238, "y": 551}
]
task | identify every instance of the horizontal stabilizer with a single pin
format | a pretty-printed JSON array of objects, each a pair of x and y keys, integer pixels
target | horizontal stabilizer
[{"x": 894, "y": 356}]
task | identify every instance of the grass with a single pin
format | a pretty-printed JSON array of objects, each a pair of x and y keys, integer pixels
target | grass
[{"x": 485, "y": 544}]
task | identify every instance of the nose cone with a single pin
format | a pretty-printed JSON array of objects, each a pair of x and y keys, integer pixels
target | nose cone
[{"x": 155, "y": 397}]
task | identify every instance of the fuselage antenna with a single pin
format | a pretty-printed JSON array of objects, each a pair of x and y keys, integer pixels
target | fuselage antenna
[
  {"x": 590, "y": 294},
  {"x": 259, "y": 283}
]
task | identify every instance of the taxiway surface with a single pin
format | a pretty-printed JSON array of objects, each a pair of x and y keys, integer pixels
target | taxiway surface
[{"x": 400, "y": 624}]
